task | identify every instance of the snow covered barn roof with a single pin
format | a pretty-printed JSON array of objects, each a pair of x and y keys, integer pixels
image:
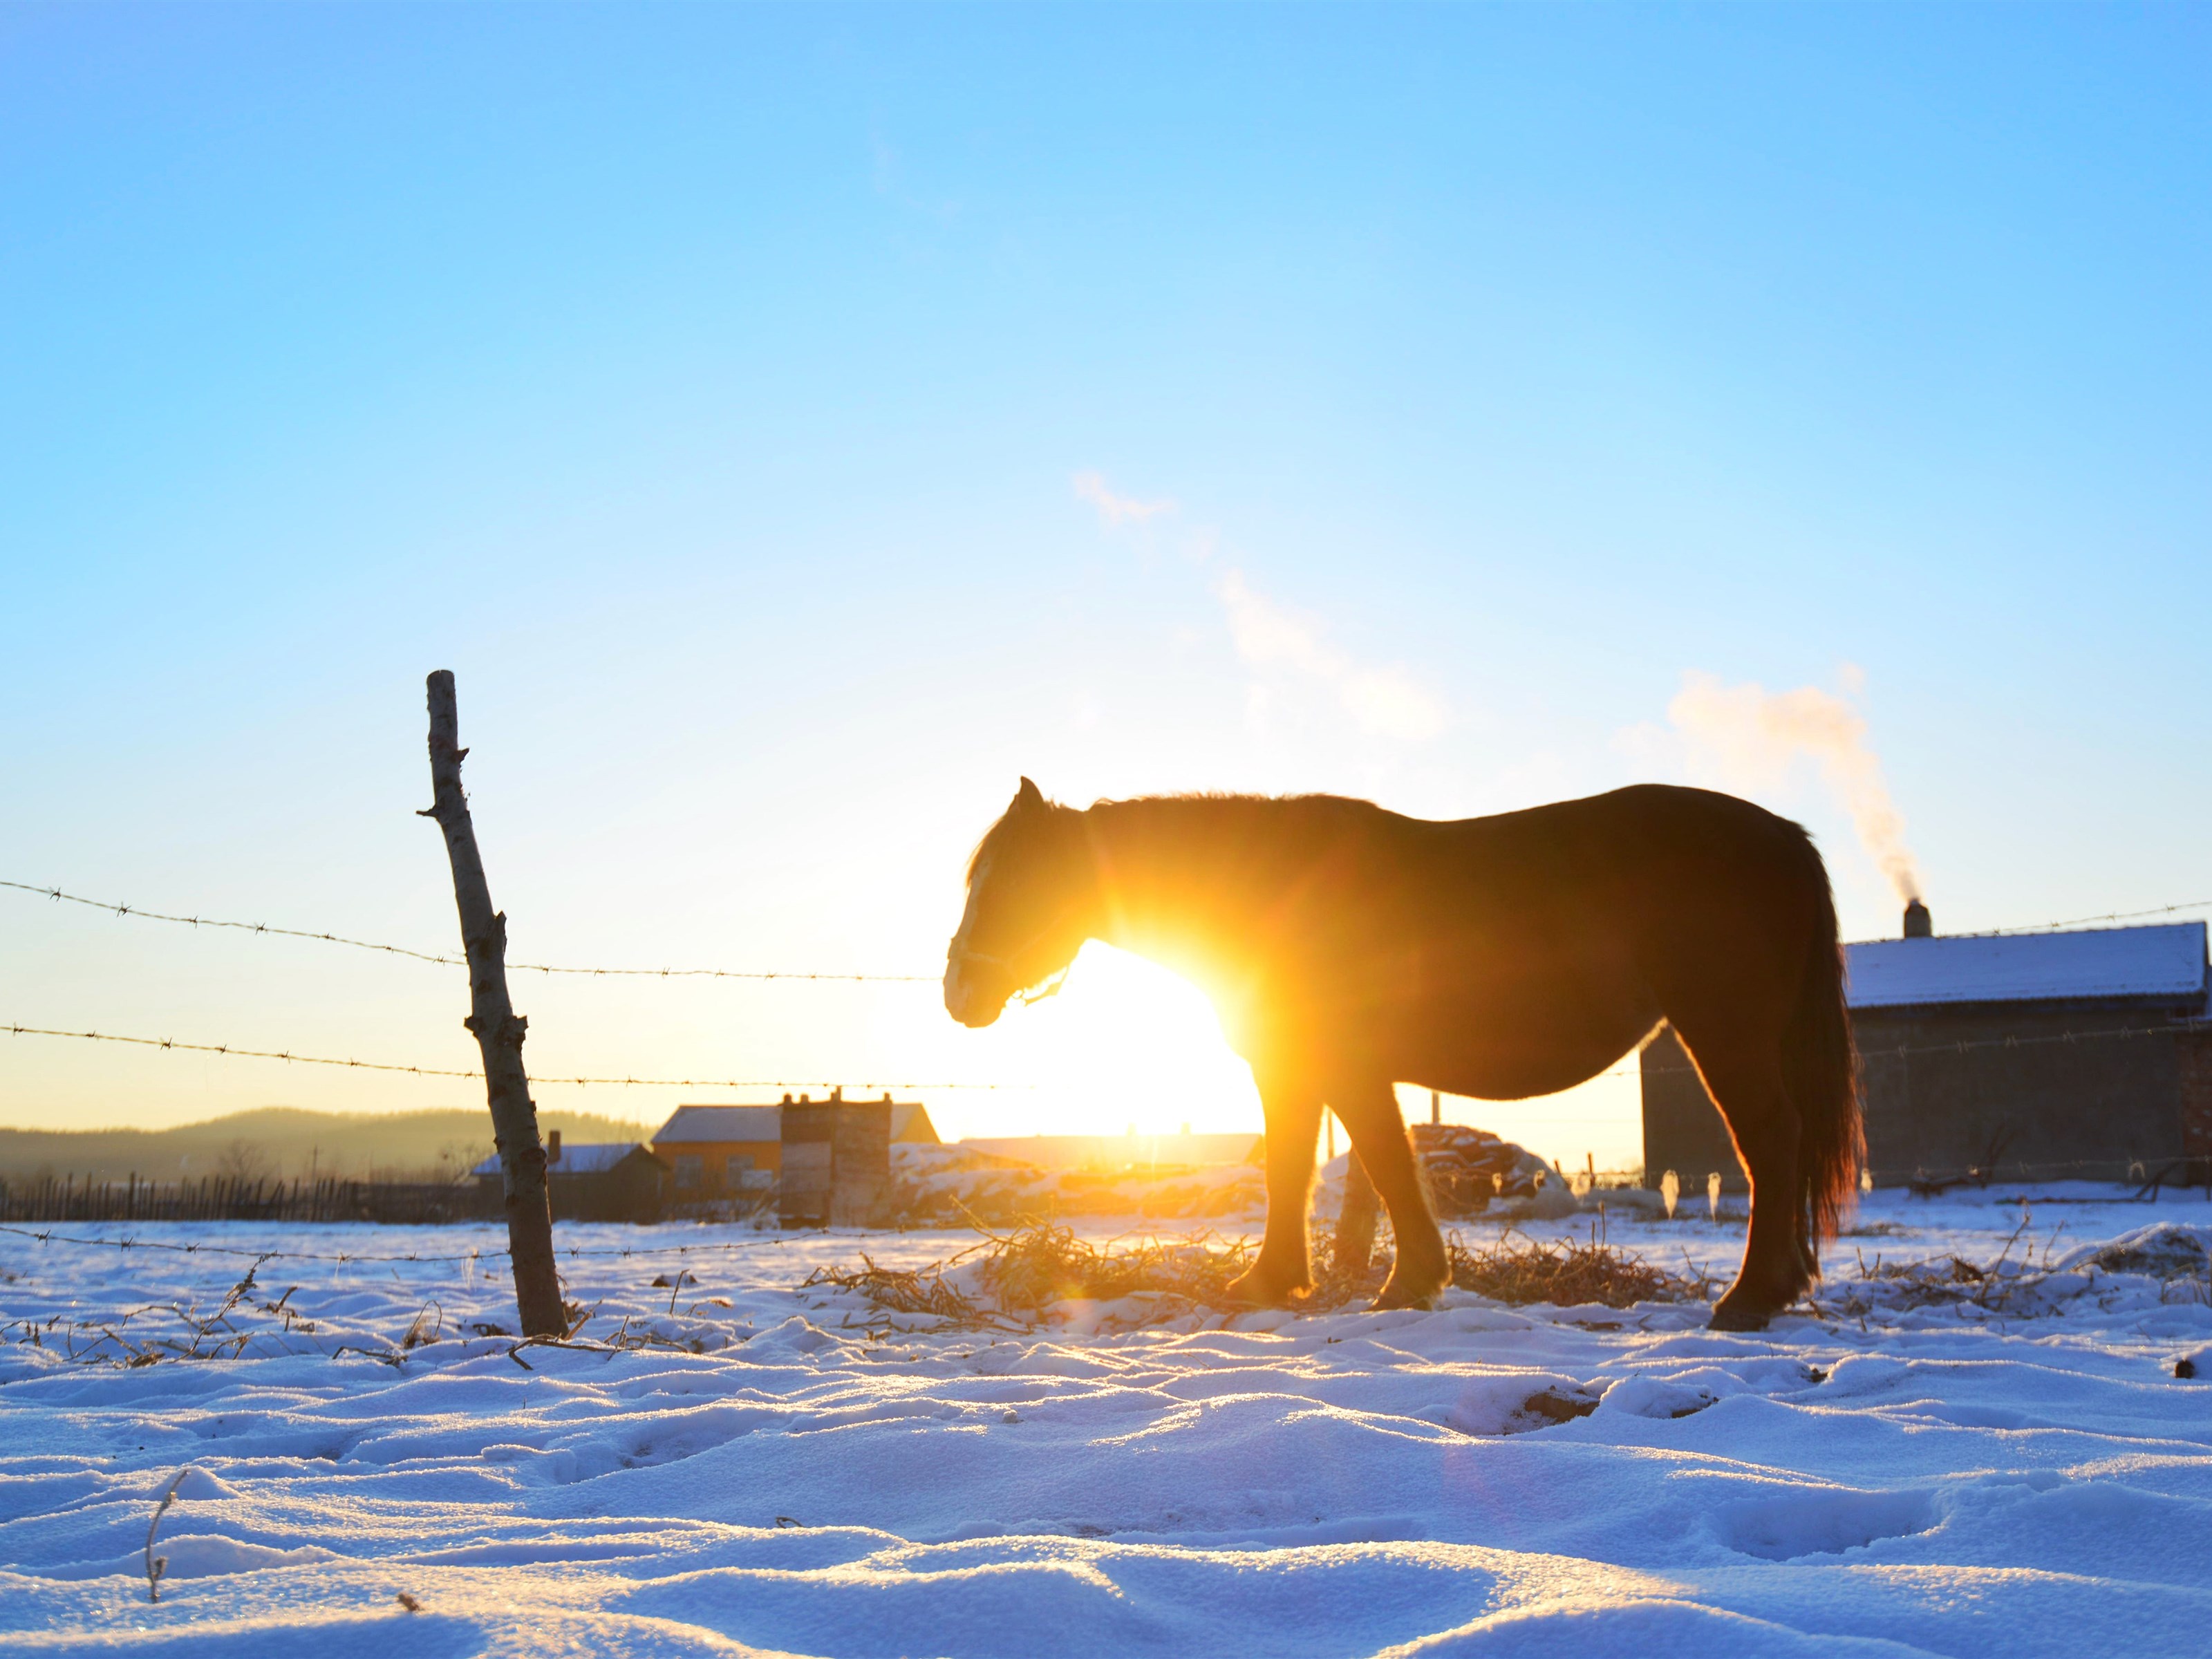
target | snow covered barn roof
[
  {"x": 592, "y": 1158},
  {"x": 909, "y": 1121},
  {"x": 2163, "y": 963},
  {"x": 716, "y": 1123}
]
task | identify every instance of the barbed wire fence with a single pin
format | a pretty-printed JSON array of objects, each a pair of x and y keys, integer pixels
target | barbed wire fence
[
  {"x": 864, "y": 1084},
  {"x": 446, "y": 960},
  {"x": 194, "y": 1247},
  {"x": 1634, "y": 1069},
  {"x": 56, "y": 895},
  {"x": 1640, "y": 1065},
  {"x": 104, "y": 1345}
]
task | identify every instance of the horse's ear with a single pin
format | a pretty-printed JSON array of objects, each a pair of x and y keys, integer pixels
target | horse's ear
[{"x": 1029, "y": 796}]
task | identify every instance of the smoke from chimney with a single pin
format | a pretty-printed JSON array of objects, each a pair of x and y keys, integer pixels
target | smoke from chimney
[{"x": 1751, "y": 736}]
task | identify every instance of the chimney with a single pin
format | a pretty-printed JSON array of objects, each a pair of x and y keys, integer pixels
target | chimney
[
  {"x": 553, "y": 1147},
  {"x": 1918, "y": 924}
]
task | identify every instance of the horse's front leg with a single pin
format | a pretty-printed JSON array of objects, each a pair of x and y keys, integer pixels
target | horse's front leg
[{"x": 1284, "y": 1272}]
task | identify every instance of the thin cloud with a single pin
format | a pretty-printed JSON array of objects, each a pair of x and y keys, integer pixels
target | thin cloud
[
  {"x": 1114, "y": 509},
  {"x": 1383, "y": 701}
]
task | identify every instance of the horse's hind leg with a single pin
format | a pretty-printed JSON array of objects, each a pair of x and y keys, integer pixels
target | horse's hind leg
[
  {"x": 1284, "y": 1270},
  {"x": 1369, "y": 1112},
  {"x": 1747, "y": 1086}
]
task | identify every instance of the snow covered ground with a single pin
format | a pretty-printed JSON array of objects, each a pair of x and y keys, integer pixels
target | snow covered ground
[{"x": 1942, "y": 1465}]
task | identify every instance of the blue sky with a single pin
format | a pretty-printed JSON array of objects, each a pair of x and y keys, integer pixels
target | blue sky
[{"x": 710, "y": 388}]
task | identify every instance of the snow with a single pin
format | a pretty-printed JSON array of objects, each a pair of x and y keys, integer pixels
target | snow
[
  {"x": 2167, "y": 962},
  {"x": 581, "y": 1157},
  {"x": 1938, "y": 1464}
]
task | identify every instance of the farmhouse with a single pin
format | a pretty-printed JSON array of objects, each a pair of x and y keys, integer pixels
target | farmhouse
[
  {"x": 717, "y": 1151},
  {"x": 714, "y": 1150},
  {"x": 2061, "y": 1056},
  {"x": 600, "y": 1181}
]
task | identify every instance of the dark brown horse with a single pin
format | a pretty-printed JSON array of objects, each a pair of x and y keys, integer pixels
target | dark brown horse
[{"x": 1347, "y": 948}]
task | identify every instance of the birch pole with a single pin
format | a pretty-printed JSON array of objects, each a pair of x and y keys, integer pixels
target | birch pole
[{"x": 498, "y": 1030}]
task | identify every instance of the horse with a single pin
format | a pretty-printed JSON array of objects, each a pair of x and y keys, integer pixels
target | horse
[{"x": 1347, "y": 949}]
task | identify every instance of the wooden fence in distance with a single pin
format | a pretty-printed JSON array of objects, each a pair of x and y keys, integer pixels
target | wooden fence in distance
[{"x": 223, "y": 1197}]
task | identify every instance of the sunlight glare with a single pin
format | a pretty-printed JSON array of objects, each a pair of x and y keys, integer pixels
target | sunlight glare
[{"x": 1126, "y": 1042}]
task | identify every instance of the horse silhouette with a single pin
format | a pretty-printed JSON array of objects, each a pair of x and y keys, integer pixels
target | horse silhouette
[{"x": 1347, "y": 949}]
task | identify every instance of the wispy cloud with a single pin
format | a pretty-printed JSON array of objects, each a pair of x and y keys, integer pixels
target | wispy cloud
[
  {"x": 1746, "y": 737},
  {"x": 1114, "y": 509},
  {"x": 1384, "y": 701}
]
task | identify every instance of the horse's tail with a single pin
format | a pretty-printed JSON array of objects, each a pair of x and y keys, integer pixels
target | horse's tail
[{"x": 1821, "y": 1067}]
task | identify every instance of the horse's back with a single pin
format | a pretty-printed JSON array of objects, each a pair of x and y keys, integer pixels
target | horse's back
[
  {"x": 1717, "y": 899},
  {"x": 1667, "y": 878}
]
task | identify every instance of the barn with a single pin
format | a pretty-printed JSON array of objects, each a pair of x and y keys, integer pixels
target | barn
[
  {"x": 2082, "y": 1055},
  {"x": 599, "y": 1181},
  {"x": 717, "y": 1151},
  {"x": 723, "y": 1152}
]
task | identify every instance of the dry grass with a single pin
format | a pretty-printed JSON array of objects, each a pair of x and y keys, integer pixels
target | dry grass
[
  {"x": 1015, "y": 1276},
  {"x": 900, "y": 1290},
  {"x": 1565, "y": 1273},
  {"x": 1031, "y": 1267},
  {"x": 1019, "y": 1274}
]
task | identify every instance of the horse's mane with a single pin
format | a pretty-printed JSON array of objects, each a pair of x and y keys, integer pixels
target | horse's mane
[{"x": 1009, "y": 824}]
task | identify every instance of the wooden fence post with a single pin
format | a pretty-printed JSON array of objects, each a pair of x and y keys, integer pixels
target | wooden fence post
[
  {"x": 1355, "y": 1222},
  {"x": 499, "y": 1031}
]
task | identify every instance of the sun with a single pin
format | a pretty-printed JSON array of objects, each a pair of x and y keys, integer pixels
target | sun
[{"x": 1125, "y": 1043}]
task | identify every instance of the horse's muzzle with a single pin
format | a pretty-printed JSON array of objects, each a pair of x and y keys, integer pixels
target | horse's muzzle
[{"x": 965, "y": 1002}]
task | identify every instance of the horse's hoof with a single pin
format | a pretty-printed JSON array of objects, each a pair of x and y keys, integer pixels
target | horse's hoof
[
  {"x": 1256, "y": 1290},
  {"x": 1394, "y": 1297},
  {"x": 1726, "y": 1318}
]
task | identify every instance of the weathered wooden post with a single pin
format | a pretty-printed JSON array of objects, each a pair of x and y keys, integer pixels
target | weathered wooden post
[{"x": 498, "y": 1030}]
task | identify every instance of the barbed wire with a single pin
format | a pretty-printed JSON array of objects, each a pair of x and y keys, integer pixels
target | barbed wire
[
  {"x": 1631, "y": 1068},
  {"x": 445, "y": 960},
  {"x": 2176, "y": 1027},
  {"x": 2074, "y": 922},
  {"x": 441, "y": 1071},
  {"x": 47, "y": 1236},
  {"x": 1637, "y": 1068}
]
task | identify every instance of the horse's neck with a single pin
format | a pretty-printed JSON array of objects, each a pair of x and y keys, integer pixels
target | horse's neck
[{"x": 1177, "y": 880}]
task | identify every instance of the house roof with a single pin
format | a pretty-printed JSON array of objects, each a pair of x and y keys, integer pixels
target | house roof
[
  {"x": 693, "y": 1124},
  {"x": 2162, "y": 964},
  {"x": 591, "y": 1157},
  {"x": 909, "y": 1121}
]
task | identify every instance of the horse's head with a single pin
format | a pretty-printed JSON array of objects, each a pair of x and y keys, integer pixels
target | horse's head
[{"x": 1031, "y": 893}]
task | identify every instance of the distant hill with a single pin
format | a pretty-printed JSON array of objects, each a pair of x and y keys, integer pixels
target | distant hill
[{"x": 281, "y": 1140}]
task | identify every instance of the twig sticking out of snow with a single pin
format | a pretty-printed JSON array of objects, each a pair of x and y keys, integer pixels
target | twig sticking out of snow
[
  {"x": 418, "y": 1334},
  {"x": 158, "y": 1565}
]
